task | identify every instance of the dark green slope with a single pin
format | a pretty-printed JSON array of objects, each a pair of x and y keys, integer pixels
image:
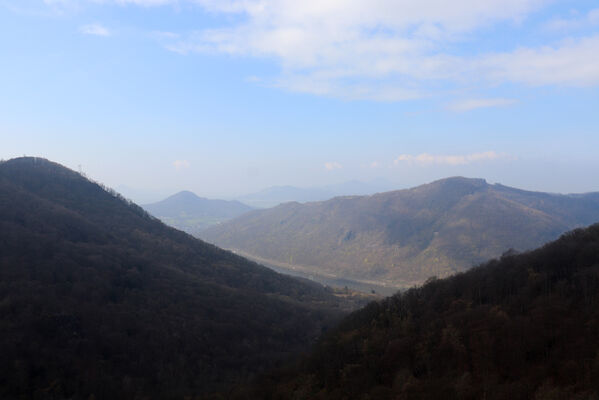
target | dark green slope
[
  {"x": 97, "y": 297},
  {"x": 192, "y": 214},
  {"x": 522, "y": 327},
  {"x": 403, "y": 237}
]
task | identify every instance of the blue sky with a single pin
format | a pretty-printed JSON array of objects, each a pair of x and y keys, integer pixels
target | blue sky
[{"x": 228, "y": 97}]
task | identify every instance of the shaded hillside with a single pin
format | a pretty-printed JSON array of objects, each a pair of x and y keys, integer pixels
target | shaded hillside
[
  {"x": 97, "y": 297},
  {"x": 404, "y": 237},
  {"x": 192, "y": 214},
  {"x": 521, "y": 327}
]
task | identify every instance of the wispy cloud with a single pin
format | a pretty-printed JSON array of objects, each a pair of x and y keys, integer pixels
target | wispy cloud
[
  {"x": 576, "y": 21},
  {"x": 60, "y": 3},
  {"x": 41, "y": 8},
  {"x": 386, "y": 50},
  {"x": 143, "y": 3},
  {"x": 95, "y": 30},
  {"x": 573, "y": 62},
  {"x": 473, "y": 104},
  {"x": 428, "y": 159},
  {"x": 147, "y": 3},
  {"x": 332, "y": 165},
  {"x": 181, "y": 164},
  {"x": 389, "y": 49}
]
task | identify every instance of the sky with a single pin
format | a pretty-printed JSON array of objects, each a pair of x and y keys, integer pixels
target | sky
[{"x": 227, "y": 97}]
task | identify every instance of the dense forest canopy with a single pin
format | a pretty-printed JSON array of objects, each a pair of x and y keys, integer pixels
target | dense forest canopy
[
  {"x": 99, "y": 299},
  {"x": 519, "y": 327}
]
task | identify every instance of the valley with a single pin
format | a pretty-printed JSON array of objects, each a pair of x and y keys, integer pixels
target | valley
[
  {"x": 523, "y": 326},
  {"x": 299, "y": 200},
  {"x": 404, "y": 237},
  {"x": 92, "y": 285},
  {"x": 379, "y": 288}
]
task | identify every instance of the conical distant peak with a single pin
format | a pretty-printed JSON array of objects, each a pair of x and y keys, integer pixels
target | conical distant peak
[{"x": 185, "y": 194}]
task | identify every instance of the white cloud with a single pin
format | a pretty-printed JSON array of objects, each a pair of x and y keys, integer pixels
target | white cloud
[
  {"x": 574, "y": 62},
  {"x": 576, "y": 22},
  {"x": 393, "y": 68},
  {"x": 388, "y": 49},
  {"x": 146, "y": 3},
  {"x": 429, "y": 17},
  {"x": 95, "y": 29},
  {"x": 41, "y": 8},
  {"x": 427, "y": 159},
  {"x": 332, "y": 165},
  {"x": 67, "y": 4},
  {"x": 473, "y": 104},
  {"x": 143, "y": 3},
  {"x": 181, "y": 164}
]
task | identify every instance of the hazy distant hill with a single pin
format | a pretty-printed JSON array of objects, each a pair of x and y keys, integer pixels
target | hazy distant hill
[
  {"x": 190, "y": 213},
  {"x": 276, "y": 195},
  {"x": 522, "y": 327},
  {"x": 403, "y": 237},
  {"x": 98, "y": 298}
]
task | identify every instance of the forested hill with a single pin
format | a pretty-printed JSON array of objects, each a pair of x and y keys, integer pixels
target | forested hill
[
  {"x": 405, "y": 236},
  {"x": 98, "y": 298},
  {"x": 191, "y": 213},
  {"x": 522, "y": 327}
]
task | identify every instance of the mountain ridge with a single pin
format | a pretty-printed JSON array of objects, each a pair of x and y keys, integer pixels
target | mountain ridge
[
  {"x": 403, "y": 237},
  {"x": 98, "y": 298}
]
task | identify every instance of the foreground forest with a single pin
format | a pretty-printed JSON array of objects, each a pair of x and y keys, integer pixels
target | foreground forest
[
  {"x": 100, "y": 300},
  {"x": 520, "y": 327}
]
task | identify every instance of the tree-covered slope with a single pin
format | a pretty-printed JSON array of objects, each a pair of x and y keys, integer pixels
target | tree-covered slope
[
  {"x": 521, "y": 327},
  {"x": 192, "y": 214},
  {"x": 98, "y": 298},
  {"x": 404, "y": 237}
]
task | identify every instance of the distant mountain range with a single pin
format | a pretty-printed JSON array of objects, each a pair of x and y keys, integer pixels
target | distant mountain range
[
  {"x": 100, "y": 300},
  {"x": 401, "y": 238},
  {"x": 276, "y": 195},
  {"x": 521, "y": 327},
  {"x": 192, "y": 214}
]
